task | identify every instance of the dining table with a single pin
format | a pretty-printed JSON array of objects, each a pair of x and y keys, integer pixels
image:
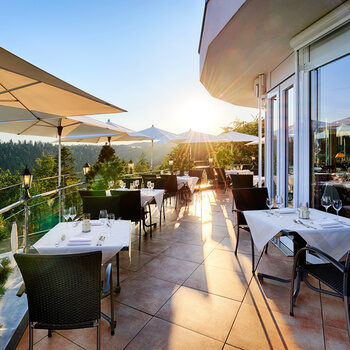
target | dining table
[
  {"x": 189, "y": 181},
  {"x": 109, "y": 237},
  {"x": 322, "y": 230}
]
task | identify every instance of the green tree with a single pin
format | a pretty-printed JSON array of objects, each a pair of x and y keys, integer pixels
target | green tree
[{"x": 142, "y": 165}]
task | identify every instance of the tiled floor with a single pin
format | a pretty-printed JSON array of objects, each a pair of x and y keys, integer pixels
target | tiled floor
[{"x": 187, "y": 290}]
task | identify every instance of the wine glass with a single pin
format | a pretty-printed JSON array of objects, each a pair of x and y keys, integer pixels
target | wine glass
[
  {"x": 137, "y": 183},
  {"x": 103, "y": 217},
  {"x": 66, "y": 214},
  {"x": 270, "y": 203},
  {"x": 122, "y": 184},
  {"x": 337, "y": 205},
  {"x": 72, "y": 213},
  {"x": 149, "y": 184},
  {"x": 278, "y": 202},
  {"x": 326, "y": 202},
  {"x": 152, "y": 185},
  {"x": 111, "y": 218}
]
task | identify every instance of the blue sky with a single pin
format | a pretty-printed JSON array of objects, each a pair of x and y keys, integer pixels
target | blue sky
[{"x": 139, "y": 55}]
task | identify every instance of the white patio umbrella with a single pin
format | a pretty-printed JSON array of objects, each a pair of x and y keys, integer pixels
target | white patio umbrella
[
  {"x": 158, "y": 134},
  {"x": 34, "y": 102},
  {"x": 256, "y": 142},
  {"x": 234, "y": 136},
  {"x": 196, "y": 137}
]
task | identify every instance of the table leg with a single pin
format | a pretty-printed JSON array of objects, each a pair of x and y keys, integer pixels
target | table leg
[{"x": 117, "y": 288}]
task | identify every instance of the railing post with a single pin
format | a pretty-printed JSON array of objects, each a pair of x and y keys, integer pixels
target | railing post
[{"x": 26, "y": 226}]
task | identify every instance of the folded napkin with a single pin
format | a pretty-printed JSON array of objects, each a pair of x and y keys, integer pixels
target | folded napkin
[
  {"x": 287, "y": 210},
  {"x": 96, "y": 223},
  {"x": 79, "y": 241},
  {"x": 328, "y": 223}
]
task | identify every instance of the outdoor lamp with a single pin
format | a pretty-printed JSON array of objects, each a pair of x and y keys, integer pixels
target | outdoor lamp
[
  {"x": 131, "y": 166},
  {"x": 86, "y": 168},
  {"x": 211, "y": 160},
  {"x": 27, "y": 179},
  {"x": 171, "y": 163},
  {"x": 340, "y": 155}
]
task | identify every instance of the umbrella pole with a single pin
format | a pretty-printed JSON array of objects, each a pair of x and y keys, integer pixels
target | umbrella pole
[
  {"x": 260, "y": 143},
  {"x": 152, "y": 156},
  {"x": 59, "y": 131}
]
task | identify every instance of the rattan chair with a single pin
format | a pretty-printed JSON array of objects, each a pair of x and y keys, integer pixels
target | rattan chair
[
  {"x": 90, "y": 193},
  {"x": 64, "y": 291},
  {"x": 248, "y": 199},
  {"x": 221, "y": 179},
  {"x": 241, "y": 181},
  {"x": 93, "y": 205},
  {"x": 333, "y": 274}
]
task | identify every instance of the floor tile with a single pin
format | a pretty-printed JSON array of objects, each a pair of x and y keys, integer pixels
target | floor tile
[
  {"x": 336, "y": 339},
  {"x": 218, "y": 281},
  {"x": 162, "y": 335},
  {"x": 333, "y": 311},
  {"x": 129, "y": 323},
  {"x": 189, "y": 252},
  {"x": 201, "y": 312},
  {"x": 152, "y": 245},
  {"x": 38, "y": 335},
  {"x": 146, "y": 293},
  {"x": 56, "y": 342},
  {"x": 276, "y": 296},
  {"x": 257, "y": 327},
  {"x": 169, "y": 269},
  {"x": 138, "y": 259}
]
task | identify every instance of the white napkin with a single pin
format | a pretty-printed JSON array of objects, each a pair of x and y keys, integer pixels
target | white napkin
[
  {"x": 79, "y": 241},
  {"x": 287, "y": 210},
  {"x": 96, "y": 223},
  {"x": 328, "y": 223}
]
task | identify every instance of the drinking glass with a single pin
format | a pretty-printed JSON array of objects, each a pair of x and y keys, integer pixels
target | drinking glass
[
  {"x": 122, "y": 184},
  {"x": 72, "y": 213},
  {"x": 66, "y": 214},
  {"x": 270, "y": 203},
  {"x": 149, "y": 184},
  {"x": 326, "y": 202},
  {"x": 278, "y": 202},
  {"x": 337, "y": 205},
  {"x": 152, "y": 185},
  {"x": 111, "y": 218},
  {"x": 137, "y": 183},
  {"x": 103, "y": 217},
  {"x": 186, "y": 173}
]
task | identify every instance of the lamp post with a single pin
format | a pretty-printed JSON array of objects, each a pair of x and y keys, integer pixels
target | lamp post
[
  {"x": 131, "y": 166},
  {"x": 211, "y": 161},
  {"x": 86, "y": 169},
  {"x": 27, "y": 179},
  {"x": 171, "y": 163}
]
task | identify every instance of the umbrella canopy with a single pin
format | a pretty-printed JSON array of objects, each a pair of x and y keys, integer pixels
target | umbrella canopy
[
  {"x": 234, "y": 136},
  {"x": 29, "y": 93},
  {"x": 130, "y": 135},
  {"x": 343, "y": 130},
  {"x": 256, "y": 142},
  {"x": 159, "y": 134},
  {"x": 196, "y": 137}
]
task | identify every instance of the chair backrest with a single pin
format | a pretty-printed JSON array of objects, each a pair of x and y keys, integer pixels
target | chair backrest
[
  {"x": 221, "y": 175},
  {"x": 159, "y": 183},
  {"x": 241, "y": 181},
  {"x": 210, "y": 173},
  {"x": 93, "y": 205},
  {"x": 249, "y": 199},
  {"x": 130, "y": 204},
  {"x": 90, "y": 193},
  {"x": 62, "y": 289},
  {"x": 171, "y": 185},
  {"x": 130, "y": 180}
]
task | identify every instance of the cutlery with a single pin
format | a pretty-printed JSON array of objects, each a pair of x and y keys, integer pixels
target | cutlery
[
  {"x": 100, "y": 240},
  {"x": 63, "y": 237},
  {"x": 306, "y": 225}
]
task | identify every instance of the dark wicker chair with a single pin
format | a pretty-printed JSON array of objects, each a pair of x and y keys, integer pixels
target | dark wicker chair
[
  {"x": 64, "y": 291},
  {"x": 131, "y": 208},
  {"x": 334, "y": 274},
  {"x": 248, "y": 199},
  {"x": 221, "y": 179},
  {"x": 241, "y": 181},
  {"x": 93, "y": 205}
]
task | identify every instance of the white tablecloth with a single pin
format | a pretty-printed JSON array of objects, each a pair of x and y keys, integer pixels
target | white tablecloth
[
  {"x": 117, "y": 237},
  {"x": 146, "y": 195},
  {"x": 333, "y": 241},
  {"x": 190, "y": 181}
]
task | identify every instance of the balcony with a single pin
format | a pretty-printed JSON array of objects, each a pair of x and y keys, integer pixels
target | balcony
[{"x": 186, "y": 289}]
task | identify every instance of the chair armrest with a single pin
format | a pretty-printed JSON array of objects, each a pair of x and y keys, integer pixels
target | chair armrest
[
  {"x": 107, "y": 280},
  {"x": 324, "y": 256}
]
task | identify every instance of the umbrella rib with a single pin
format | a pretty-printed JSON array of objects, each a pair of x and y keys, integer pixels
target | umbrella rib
[
  {"x": 20, "y": 87},
  {"x": 34, "y": 115}
]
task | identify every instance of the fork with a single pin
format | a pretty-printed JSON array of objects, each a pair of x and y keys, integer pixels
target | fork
[
  {"x": 63, "y": 237},
  {"x": 100, "y": 240}
]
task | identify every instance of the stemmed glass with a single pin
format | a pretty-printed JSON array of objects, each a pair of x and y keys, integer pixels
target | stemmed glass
[
  {"x": 66, "y": 214},
  {"x": 103, "y": 217},
  {"x": 152, "y": 185},
  {"x": 111, "y": 218},
  {"x": 337, "y": 205},
  {"x": 270, "y": 203},
  {"x": 72, "y": 213},
  {"x": 149, "y": 184},
  {"x": 278, "y": 202},
  {"x": 326, "y": 202}
]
